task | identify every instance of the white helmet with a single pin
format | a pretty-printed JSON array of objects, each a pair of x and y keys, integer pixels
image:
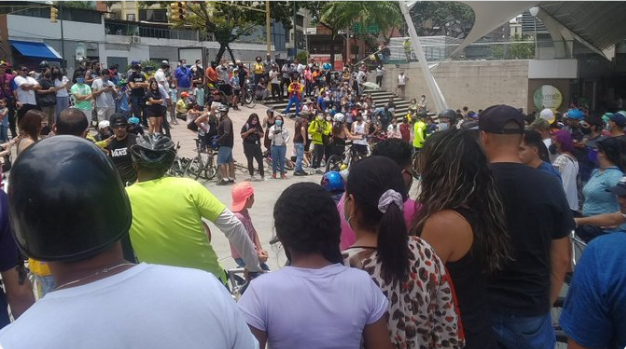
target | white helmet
[
  {"x": 339, "y": 117},
  {"x": 103, "y": 124}
]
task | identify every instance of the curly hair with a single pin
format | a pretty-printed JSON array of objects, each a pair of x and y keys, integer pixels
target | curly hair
[
  {"x": 307, "y": 221},
  {"x": 455, "y": 173}
]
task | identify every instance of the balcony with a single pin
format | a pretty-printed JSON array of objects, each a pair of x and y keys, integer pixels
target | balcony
[{"x": 124, "y": 28}]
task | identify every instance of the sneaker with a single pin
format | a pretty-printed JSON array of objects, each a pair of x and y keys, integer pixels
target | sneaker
[
  {"x": 318, "y": 171},
  {"x": 222, "y": 182},
  {"x": 282, "y": 176},
  {"x": 231, "y": 180},
  {"x": 300, "y": 173}
]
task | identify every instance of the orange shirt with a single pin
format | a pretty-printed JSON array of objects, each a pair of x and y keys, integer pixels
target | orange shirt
[{"x": 211, "y": 74}]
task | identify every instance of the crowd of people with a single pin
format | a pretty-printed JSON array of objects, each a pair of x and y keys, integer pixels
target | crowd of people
[{"x": 476, "y": 260}]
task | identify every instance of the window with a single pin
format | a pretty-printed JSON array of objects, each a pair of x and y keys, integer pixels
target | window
[
  {"x": 156, "y": 15},
  {"x": 130, "y": 17}
]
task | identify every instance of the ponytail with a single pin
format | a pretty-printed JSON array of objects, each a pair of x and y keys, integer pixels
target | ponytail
[{"x": 393, "y": 250}]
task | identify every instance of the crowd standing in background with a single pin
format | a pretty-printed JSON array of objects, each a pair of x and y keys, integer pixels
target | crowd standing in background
[{"x": 475, "y": 260}]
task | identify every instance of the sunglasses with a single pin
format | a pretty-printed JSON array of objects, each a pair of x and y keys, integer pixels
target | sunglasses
[{"x": 119, "y": 126}]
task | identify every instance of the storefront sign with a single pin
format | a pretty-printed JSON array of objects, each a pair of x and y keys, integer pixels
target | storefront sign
[{"x": 548, "y": 96}]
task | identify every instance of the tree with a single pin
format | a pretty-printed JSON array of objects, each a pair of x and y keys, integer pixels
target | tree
[
  {"x": 229, "y": 20},
  {"x": 453, "y": 19}
]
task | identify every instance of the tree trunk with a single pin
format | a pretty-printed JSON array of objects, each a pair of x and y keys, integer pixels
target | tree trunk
[
  {"x": 332, "y": 49},
  {"x": 230, "y": 52},
  {"x": 220, "y": 52}
]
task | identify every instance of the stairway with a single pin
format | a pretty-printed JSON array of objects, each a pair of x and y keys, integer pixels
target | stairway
[{"x": 380, "y": 97}]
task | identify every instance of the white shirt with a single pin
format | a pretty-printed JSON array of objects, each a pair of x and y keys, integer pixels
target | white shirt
[
  {"x": 313, "y": 308},
  {"x": 380, "y": 71},
  {"x": 359, "y": 130},
  {"x": 568, "y": 167},
  {"x": 401, "y": 80},
  {"x": 25, "y": 97},
  {"x": 61, "y": 92},
  {"x": 105, "y": 99},
  {"x": 159, "y": 76},
  {"x": 281, "y": 138},
  {"x": 548, "y": 143},
  {"x": 147, "y": 306}
]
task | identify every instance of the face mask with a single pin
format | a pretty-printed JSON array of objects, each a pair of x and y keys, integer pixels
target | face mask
[
  {"x": 328, "y": 118},
  {"x": 320, "y": 118},
  {"x": 279, "y": 122},
  {"x": 443, "y": 126},
  {"x": 254, "y": 122}
]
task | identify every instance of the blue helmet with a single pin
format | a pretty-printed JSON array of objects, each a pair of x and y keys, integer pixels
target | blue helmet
[
  {"x": 574, "y": 114},
  {"x": 133, "y": 120},
  {"x": 327, "y": 66},
  {"x": 332, "y": 182}
]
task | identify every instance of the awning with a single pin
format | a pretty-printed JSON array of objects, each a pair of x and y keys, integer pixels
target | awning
[{"x": 36, "y": 49}]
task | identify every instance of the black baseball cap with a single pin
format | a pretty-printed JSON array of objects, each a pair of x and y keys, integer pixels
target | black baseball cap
[
  {"x": 118, "y": 120},
  {"x": 494, "y": 119},
  {"x": 620, "y": 188}
]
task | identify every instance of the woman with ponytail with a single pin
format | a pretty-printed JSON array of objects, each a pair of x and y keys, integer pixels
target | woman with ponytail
[
  {"x": 315, "y": 302},
  {"x": 463, "y": 219},
  {"x": 421, "y": 305}
]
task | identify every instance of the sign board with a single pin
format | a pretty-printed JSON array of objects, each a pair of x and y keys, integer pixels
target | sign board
[{"x": 548, "y": 96}]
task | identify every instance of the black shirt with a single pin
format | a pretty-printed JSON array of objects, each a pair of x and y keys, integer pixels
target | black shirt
[
  {"x": 120, "y": 154},
  {"x": 46, "y": 99},
  {"x": 252, "y": 138},
  {"x": 225, "y": 131},
  {"x": 537, "y": 212},
  {"x": 137, "y": 78}
]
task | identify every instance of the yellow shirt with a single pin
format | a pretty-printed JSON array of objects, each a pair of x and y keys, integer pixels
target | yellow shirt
[
  {"x": 258, "y": 68},
  {"x": 419, "y": 130},
  {"x": 167, "y": 223},
  {"x": 181, "y": 106}
]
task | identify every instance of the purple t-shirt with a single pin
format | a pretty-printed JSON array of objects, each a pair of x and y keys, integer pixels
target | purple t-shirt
[
  {"x": 348, "y": 237},
  {"x": 313, "y": 308}
]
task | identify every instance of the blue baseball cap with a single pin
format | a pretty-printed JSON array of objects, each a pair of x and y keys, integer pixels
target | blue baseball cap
[
  {"x": 574, "y": 114},
  {"x": 619, "y": 119}
]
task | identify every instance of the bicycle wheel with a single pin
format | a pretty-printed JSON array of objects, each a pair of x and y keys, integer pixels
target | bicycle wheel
[
  {"x": 289, "y": 165},
  {"x": 249, "y": 100},
  {"x": 210, "y": 169},
  {"x": 195, "y": 168},
  {"x": 334, "y": 163}
]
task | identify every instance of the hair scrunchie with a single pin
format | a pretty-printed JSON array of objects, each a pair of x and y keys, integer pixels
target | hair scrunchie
[{"x": 390, "y": 197}]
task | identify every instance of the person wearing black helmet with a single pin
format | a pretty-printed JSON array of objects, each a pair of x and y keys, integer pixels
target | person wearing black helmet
[
  {"x": 77, "y": 231},
  {"x": 178, "y": 237},
  {"x": 447, "y": 120},
  {"x": 226, "y": 140}
]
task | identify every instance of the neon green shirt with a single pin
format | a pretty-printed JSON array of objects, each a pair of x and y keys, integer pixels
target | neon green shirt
[
  {"x": 167, "y": 227},
  {"x": 419, "y": 129}
]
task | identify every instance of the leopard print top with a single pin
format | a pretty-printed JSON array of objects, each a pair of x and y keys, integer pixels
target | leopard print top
[{"x": 422, "y": 312}]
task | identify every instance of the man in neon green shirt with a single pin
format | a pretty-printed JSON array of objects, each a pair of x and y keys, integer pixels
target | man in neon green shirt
[
  {"x": 83, "y": 97},
  {"x": 419, "y": 133},
  {"x": 167, "y": 225}
]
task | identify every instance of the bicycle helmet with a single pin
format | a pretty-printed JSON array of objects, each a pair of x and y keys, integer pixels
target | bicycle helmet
[
  {"x": 43, "y": 65},
  {"x": 448, "y": 114},
  {"x": 574, "y": 114},
  {"x": 332, "y": 182},
  {"x": 223, "y": 109},
  {"x": 103, "y": 124},
  {"x": 154, "y": 152},
  {"x": 133, "y": 120},
  {"x": 66, "y": 200},
  {"x": 339, "y": 117},
  {"x": 214, "y": 144}
]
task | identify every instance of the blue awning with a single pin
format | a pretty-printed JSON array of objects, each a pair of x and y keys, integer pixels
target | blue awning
[{"x": 36, "y": 49}]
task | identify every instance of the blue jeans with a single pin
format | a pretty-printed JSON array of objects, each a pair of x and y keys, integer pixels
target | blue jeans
[
  {"x": 4, "y": 134},
  {"x": 293, "y": 100},
  {"x": 241, "y": 264},
  {"x": 278, "y": 158},
  {"x": 224, "y": 155},
  {"x": 514, "y": 332},
  {"x": 299, "y": 147}
]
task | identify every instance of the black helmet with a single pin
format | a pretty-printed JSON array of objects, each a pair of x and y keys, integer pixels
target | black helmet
[
  {"x": 448, "y": 114},
  {"x": 66, "y": 200},
  {"x": 44, "y": 65},
  {"x": 155, "y": 152}
]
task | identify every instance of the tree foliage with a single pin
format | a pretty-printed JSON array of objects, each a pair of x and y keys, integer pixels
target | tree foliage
[
  {"x": 229, "y": 20},
  {"x": 450, "y": 18}
]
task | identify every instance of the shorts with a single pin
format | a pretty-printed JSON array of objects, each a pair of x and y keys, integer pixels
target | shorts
[
  {"x": 224, "y": 155},
  {"x": 155, "y": 111}
]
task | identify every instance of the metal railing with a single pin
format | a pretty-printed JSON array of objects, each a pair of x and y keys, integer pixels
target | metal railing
[{"x": 132, "y": 29}]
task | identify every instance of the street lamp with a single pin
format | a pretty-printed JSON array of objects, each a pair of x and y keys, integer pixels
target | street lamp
[{"x": 534, "y": 11}]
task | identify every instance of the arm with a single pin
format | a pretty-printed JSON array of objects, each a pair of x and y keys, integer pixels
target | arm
[
  {"x": 375, "y": 335},
  {"x": 50, "y": 90},
  {"x": 20, "y": 297},
  {"x": 602, "y": 220},
  {"x": 236, "y": 233},
  {"x": 560, "y": 252}
]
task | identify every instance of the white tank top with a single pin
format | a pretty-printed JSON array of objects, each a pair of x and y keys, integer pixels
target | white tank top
[{"x": 360, "y": 130}]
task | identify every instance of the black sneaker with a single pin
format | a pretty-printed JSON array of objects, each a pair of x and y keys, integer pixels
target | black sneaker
[
  {"x": 299, "y": 174},
  {"x": 222, "y": 182}
]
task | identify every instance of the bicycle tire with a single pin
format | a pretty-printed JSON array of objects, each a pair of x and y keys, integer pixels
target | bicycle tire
[
  {"x": 210, "y": 169},
  {"x": 194, "y": 168},
  {"x": 334, "y": 163},
  {"x": 289, "y": 165},
  {"x": 249, "y": 100}
]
